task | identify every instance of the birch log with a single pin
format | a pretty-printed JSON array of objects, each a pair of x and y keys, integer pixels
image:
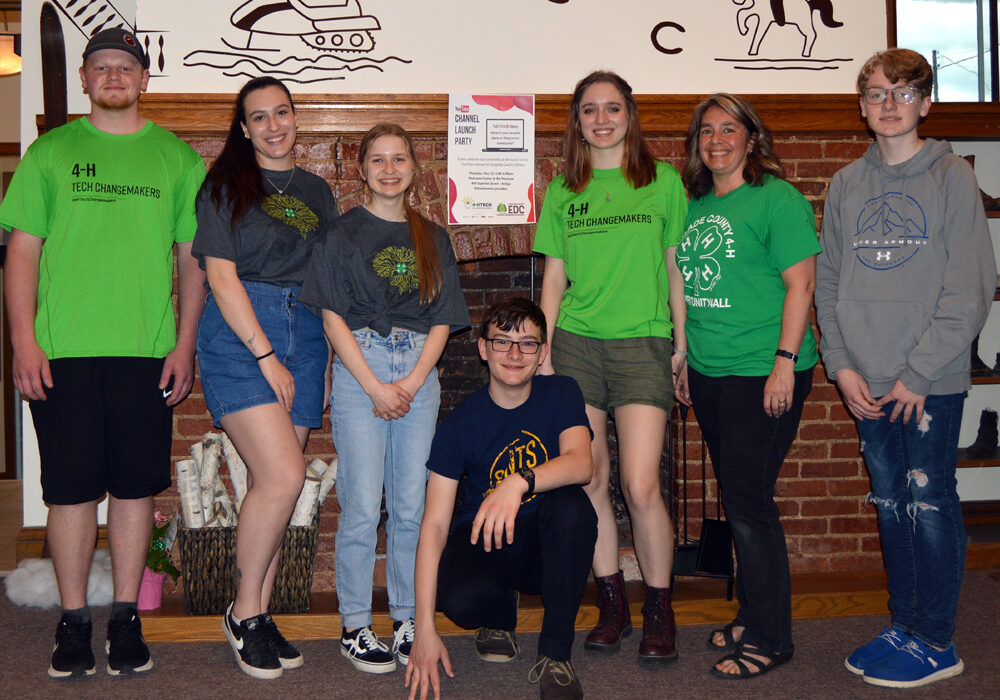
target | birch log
[
  {"x": 224, "y": 508},
  {"x": 237, "y": 470},
  {"x": 329, "y": 479},
  {"x": 305, "y": 507},
  {"x": 189, "y": 488},
  {"x": 211, "y": 458}
]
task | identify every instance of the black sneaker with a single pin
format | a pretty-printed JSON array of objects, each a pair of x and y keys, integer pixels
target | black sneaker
[
  {"x": 402, "y": 639},
  {"x": 366, "y": 652},
  {"x": 251, "y": 644},
  {"x": 72, "y": 655},
  {"x": 288, "y": 656},
  {"x": 126, "y": 649},
  {"x": 496, "y": 646}
]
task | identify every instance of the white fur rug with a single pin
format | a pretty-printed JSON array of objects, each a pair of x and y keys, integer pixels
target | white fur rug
[{"x": 33, "y": 582}]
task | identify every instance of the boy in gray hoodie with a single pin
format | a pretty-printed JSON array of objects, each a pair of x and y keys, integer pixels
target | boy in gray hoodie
[{"x": 903, "y": 286}]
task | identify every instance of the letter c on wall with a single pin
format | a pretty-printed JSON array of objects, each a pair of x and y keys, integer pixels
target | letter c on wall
[{"x": 654, "y": 37}]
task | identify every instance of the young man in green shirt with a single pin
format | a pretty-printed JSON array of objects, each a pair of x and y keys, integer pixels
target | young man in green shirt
[{"x": 95, "y": 211}]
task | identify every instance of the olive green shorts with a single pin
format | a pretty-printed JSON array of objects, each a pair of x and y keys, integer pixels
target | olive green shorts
[{"x": 616, "y": 372}]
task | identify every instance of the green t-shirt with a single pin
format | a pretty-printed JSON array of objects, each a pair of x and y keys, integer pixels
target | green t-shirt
[
  {"x": 611, "y": 237},
  {"x": 110, "y": 208},
  {"x": 732, "y": 256}
]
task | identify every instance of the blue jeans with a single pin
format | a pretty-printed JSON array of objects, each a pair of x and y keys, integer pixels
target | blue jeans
[
  {"x": 912, "y": 469},
  {"x": 373, "y": 452}
]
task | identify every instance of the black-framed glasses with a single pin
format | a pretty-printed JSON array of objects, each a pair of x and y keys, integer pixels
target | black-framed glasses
[
  {"x": 526, "y": 347},
  {"x": 902, "y": 95}
]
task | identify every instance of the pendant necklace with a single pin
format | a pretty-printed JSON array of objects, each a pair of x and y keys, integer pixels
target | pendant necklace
[
  {"x": 607, "y": 192},
  {"x": 281, "y": 190}
]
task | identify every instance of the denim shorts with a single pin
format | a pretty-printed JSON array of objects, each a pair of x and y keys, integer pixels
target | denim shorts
[
  {"x": 230, "y": 376},
  {"x": 616, "y": 372}
]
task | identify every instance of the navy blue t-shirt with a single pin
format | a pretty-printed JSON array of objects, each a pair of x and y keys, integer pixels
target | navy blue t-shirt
[{"x": 489, "y": 443}]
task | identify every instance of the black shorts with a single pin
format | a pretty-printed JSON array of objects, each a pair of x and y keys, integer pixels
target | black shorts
[{"x": 104, "y": 428}]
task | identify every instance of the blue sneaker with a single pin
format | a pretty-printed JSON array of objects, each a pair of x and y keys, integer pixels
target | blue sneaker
[
  {"x": 889, "y": 642},
  {"x": 913, "y": 665}
]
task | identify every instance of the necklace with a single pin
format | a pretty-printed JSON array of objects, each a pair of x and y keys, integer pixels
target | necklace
[
  {"x": 607, "y": 192},
  {"x": 281, "y": 190}
]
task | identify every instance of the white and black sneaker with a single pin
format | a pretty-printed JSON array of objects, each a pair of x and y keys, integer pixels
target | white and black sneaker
[
  {"x": 402, "y": 639},
  {"x": 288, "y": 656},
  {"x": 366, "y": 652},
  {"x": 251, "y": 644},
  {"x": 72, "y": 656}
]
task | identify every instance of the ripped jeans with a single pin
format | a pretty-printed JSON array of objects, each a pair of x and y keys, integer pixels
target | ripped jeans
[{"x": 912, "y": 469}]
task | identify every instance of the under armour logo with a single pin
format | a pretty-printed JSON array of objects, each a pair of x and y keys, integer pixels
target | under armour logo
[{"x": 883, "y": 255}]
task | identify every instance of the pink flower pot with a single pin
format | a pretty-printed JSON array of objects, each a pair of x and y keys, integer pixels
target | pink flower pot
[{"x": 150, "y": 590}]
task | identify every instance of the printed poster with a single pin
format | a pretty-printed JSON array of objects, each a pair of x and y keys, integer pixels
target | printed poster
[{"x": 491, "y": 159}]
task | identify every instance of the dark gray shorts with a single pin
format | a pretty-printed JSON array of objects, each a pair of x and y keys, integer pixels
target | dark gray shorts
[{"x": 616, "y": 372}]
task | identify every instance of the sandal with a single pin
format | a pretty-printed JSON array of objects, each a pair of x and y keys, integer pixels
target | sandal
[
  {"x": 727, "y": 636},
  {"x": 748, "y": 665}
]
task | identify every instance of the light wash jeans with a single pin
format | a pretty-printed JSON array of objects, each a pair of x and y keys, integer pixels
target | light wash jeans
[
  {"x": 373, "y": 452},
  {"x": 912, "y": 469}
]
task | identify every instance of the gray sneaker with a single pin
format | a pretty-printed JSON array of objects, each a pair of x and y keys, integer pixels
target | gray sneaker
[
  {"x": 496, "y": 646},
  {"x": 556, "y": 679}
]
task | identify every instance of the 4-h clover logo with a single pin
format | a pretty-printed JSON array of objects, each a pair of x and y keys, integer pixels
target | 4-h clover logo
[
  {"x": 399, "y": 266},
  {"x": 696, "y": 259}
]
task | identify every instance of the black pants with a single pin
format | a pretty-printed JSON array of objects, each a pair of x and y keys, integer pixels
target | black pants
[
  {"x": 747, "y": 448},
  {"x": 552, "y": 553}
]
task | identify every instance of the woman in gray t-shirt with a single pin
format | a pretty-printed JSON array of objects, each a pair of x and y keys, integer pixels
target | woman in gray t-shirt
[{"x": 261, "y": 353}]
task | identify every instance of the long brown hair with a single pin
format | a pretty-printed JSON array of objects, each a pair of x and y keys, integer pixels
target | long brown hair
[
  {"x": 235, "y": 178},
  {"x": 638, "y": 164},
  {"x": 422, "y": 231},
  {"x": 761, "y": 159}
]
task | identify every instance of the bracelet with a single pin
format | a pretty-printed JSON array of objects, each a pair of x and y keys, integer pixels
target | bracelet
[
  {"x": 682, "y": 353},
  {"x": 787, "y": 355},
  {"x": 266, "y": 354}
]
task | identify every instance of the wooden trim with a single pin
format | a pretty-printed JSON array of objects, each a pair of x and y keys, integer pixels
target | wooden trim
[
  {"x": 207, "y": 116},
  {"x": 31, "y": 542},
  {"x": 10, "y": 148},
  {"x": 890, "y": 23}
]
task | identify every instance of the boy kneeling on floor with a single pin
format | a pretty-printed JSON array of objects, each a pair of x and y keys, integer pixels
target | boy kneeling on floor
[{"x": 525, "y": 524}]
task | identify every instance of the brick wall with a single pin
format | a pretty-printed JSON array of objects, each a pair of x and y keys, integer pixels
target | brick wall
[{"x": 823, "y": 482}]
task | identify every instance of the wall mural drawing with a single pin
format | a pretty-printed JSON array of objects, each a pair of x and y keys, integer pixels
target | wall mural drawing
[
  {"x": 755, "y": 18},
  {"x": 91, "y": 16},
  {"x": 297, "y": 41}
]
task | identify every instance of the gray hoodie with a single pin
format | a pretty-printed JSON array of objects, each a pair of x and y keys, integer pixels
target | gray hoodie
[{"x": 907, "y": 274}]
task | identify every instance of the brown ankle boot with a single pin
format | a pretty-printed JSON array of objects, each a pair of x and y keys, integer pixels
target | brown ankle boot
[
  {"x": 615, "y": 622},
  {"x": 659, "y": 633}
]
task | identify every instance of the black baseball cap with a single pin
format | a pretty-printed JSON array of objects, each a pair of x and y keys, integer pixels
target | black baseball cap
[{"x": 117, "y": 38}]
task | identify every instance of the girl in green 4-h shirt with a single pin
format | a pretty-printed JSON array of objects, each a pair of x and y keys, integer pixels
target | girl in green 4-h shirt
[{"x": 609, "y": 228}]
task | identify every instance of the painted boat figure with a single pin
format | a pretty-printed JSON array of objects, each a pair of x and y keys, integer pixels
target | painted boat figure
[{"x": 324, "y": 25}]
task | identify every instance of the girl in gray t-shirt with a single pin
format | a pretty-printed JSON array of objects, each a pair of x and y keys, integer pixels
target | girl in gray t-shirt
[{"x": 386, "y": 280}]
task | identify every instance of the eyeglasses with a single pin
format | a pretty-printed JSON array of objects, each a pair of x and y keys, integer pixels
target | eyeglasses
[
  {"x": 526, "y": 347},
  {"x": 903, "y": 95}
]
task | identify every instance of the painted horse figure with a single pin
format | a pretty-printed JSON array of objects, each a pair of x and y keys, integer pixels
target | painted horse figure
[{"x": 798, "y": 13}]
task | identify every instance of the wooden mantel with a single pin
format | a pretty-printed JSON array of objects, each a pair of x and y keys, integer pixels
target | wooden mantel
[{"x": 208, "y": 115}]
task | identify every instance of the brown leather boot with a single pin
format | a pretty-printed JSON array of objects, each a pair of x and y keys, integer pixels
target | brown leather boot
[
  {"x": 615, "y": 622},
  {"x": 658, "y": 645}
]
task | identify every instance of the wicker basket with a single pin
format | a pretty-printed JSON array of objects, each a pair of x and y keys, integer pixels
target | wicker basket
[{"x": 208, "y": 567}]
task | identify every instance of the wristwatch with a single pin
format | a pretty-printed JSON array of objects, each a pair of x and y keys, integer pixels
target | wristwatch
[
  {"x": 529, "y": 476},
  {"x": 787, "y": 355}
]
